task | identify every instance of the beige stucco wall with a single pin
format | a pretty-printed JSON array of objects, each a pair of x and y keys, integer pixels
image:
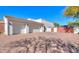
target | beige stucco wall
[
  {"x": 35, "y": 29},
  {"x": 48, "y": 25},
  {"x": 20, "y": 28}
]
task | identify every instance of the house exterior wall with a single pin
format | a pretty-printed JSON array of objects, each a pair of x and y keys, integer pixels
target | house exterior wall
[
  {"x": 35, "y": 29},
  {"x": 24, "y": 28},
  {"x": 17, "y": 28},
  {"x": 48, "y": 29},
  {"x": 12, "y": 27},
  {"x": 20, "y": 28},
  {"x": 5, "y": 26},
  {"x": 48, "y": 25},
  {"x": 8, "y": 28},
  {"x": 1, "y": 28},
  {"x": 55, "y": 29}
]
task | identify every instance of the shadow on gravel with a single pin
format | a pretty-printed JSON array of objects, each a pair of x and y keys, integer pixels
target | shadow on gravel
[{"x": 40, "y": 45}]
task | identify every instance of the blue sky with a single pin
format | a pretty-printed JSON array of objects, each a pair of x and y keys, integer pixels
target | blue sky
[{"x": 49, "y": 13}]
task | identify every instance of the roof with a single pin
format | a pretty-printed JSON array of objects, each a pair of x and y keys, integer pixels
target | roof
[
  {"x": 45, "y": 22},
  {"x": 19, "y": 20}
]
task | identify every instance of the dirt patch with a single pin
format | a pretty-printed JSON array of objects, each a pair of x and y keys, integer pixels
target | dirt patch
[{"x": 40, "y": 43}]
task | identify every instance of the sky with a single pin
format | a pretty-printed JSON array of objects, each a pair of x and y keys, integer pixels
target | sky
[{"x": 49, "y": 13}]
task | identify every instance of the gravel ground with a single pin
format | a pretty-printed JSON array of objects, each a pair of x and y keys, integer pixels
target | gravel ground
[{"x": 40, "y": 43}]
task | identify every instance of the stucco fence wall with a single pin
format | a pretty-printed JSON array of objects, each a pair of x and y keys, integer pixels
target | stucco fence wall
[{"x": 1, "y": 28}]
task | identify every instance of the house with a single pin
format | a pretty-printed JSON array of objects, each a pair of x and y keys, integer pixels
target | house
[
  {"x": 47, "y": 25},
  {"x": 12, "y": 25}
]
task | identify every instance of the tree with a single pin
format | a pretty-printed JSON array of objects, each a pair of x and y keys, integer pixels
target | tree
[
  {"x": 56, "y": 24},
  {"x": 72, "y": 11},
  {"x": 72, "y": 24}
]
